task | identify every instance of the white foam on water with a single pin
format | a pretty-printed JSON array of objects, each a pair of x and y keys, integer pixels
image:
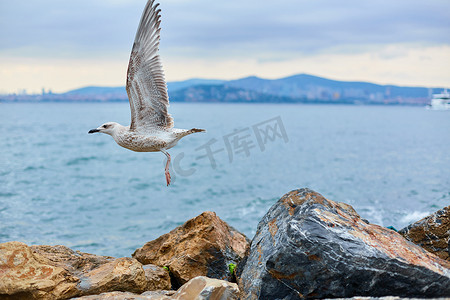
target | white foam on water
[{"x": 414, "y": 216}]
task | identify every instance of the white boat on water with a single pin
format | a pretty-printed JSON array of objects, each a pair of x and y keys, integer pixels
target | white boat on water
[{"x": 440, "y": 101}]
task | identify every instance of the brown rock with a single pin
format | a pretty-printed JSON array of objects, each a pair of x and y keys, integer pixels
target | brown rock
[
  {"x": 432, "y": 233},
  {"x": 97, "y": 274},
  {"x": 203, "y": 288},
  {"x": 28, "y": 275},
  {"x": 58, "y": 272},
  {"x": 157, "y": 278},
  {"x": 198, "y": 288},
  {"x": 123, "y": 274},
  {"x": 76, "y": 262},
  {"x": 151, "y": 295},
  {"x": 159, "y": 295},
  {"x": 117, "y": 296},
  {"x": 203, "y": 246}
]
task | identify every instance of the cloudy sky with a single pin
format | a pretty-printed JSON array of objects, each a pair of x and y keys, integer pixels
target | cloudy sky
[{"x": 68, "y": 44}]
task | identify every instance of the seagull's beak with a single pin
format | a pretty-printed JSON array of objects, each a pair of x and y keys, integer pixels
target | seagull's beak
[{"x": 93, "y": 131}]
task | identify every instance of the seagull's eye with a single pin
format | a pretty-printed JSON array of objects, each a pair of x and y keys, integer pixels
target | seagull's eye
[{"x": 104, "y": 126}]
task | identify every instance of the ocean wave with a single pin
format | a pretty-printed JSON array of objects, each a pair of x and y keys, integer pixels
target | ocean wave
[
  {"x": 141, "y": 186},
  {"x": 33, "y": 168},
  {"x": 7, "y": 195},
  {"x": 80, "y": 160},
  {"x": 414, "y": 216}
]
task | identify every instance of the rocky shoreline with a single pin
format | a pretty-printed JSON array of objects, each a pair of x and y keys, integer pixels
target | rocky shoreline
[{"x": 305, "y": 246}]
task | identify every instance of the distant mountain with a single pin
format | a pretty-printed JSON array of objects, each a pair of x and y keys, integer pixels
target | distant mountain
[
  {"x": 313, "y": 87},
  {"x": 301, "y": 88},
  {"x": 96, "y": 90},
  {"x": 98, "y": 93},
  {"x": 173, "y": 86},
  {"x": 178, "y": 85},
  {"x": 223, "y": 93}
]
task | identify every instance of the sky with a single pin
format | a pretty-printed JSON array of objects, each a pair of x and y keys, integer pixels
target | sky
[{"x": 63, "y": 45}]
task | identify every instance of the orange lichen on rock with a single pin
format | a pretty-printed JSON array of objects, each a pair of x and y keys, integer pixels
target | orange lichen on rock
[
  {"x": 25, "y": 274},
  {"x": 309, "y": 245}
]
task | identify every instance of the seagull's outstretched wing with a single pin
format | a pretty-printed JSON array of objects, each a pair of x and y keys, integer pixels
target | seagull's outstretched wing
[{"x": 146, "y": 87}]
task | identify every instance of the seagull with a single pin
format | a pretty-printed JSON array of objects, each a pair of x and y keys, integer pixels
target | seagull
[{"x": 151, "y": 128}]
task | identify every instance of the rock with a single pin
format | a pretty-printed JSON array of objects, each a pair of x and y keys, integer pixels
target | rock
[
  {"x": 123, "y": 274},
  {"x": 203, "y": 246},
  {"x": 76, "y": 262},
  {"x": 158, "y": 295},
  {"x": 97, "y": 274},
  {"x": 157, "y": 278},
  {"x": 204, "y": 288},
  {"x": 58, "y": 272},
  {"x": 198, "y": 288},
  {"x": 309, "y": 247},
  {"x": 28, "y": 275},
  {"x": 387, "y": 298},
  {"x": 114, "y": 296},
  {"x": 432, "y": 233},
  {"x": 150, "y": 295}
]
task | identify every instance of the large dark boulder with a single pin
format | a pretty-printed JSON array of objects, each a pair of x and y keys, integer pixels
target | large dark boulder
[
  {"x": 309, "y": 247},
  {"x": 432, "y": 233}
]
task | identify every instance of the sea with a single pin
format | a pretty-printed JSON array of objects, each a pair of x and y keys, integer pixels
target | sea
[{"x": 61, "y": 185}]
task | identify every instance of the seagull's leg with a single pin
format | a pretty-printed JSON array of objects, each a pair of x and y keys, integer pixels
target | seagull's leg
[{"x": 167, "y": 166}]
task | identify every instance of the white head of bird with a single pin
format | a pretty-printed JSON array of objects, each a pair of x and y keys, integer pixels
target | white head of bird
[{"x": 107, "y": 128}]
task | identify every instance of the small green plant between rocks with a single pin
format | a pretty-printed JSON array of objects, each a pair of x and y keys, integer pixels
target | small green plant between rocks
[{"x": 231, "y": 267}]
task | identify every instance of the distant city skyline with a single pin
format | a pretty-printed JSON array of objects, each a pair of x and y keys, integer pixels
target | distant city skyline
[
  {"x": 301, "y": 88},
  {"x": 63, "y": 45}
]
